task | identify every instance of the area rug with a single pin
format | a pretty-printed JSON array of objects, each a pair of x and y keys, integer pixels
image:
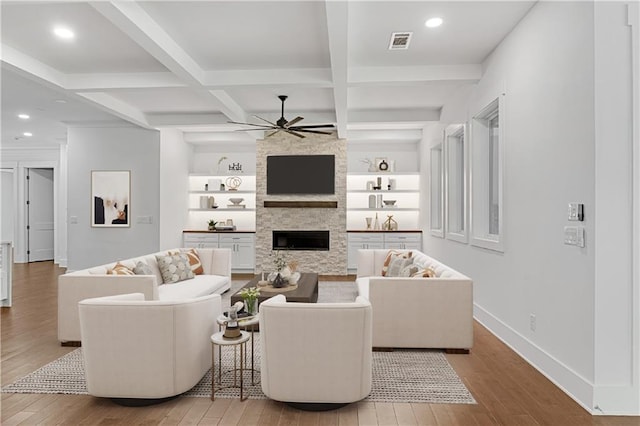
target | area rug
[{"x": 399, "y": 376}]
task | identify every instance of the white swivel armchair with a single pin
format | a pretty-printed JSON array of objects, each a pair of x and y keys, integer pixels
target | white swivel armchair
[
  {"x": 138, "y": 351},
  {"x": 315, "y": 355}
]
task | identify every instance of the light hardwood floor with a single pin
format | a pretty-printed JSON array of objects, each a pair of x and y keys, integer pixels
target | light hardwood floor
[{"x": 508, "y": 390}]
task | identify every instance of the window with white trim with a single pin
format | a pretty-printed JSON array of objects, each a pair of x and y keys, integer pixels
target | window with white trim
[
  {"x": 487, "y": 157},
  {"x": 437, "y": 196},
  {"x": 456, "y": 183}
]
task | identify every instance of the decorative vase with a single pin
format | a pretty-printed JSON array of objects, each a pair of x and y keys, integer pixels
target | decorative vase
[
  {"x": 251, "y": 306},
  {"x": 212, "y": 228},
  {"x": 279, "y": 282}
]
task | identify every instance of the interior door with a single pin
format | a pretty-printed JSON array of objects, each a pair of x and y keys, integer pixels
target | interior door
[{"x": 39, "y": 214}]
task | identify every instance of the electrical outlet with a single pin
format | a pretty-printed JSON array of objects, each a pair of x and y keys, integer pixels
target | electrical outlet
[{"x": 532, "y": 322}]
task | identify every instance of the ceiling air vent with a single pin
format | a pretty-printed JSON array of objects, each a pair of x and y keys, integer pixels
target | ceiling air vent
[{"x": 400, "y": 41}]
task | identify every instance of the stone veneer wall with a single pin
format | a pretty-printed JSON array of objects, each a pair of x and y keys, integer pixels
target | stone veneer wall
[{"x": 332, "y": 262}]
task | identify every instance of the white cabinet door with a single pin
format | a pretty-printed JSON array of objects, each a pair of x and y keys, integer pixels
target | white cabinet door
[
  {"x": 359, "y": 241},
  {"x": 204, "y": 240},
  {"x": 243, "y": 248}
]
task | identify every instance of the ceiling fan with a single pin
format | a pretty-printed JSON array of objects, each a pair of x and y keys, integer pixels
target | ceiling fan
[{"x": 282, "y": 125}]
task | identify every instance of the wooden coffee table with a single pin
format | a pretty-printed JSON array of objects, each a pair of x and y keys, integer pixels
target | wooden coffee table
[{"x": 307, "y": 291}]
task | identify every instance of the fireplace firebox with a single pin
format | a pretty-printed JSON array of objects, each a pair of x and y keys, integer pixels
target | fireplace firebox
[{"x": 301, "y": 240}]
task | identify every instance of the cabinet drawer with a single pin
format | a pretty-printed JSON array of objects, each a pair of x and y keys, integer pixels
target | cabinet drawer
[
  {"x": 403, "y": 238},
  {"x": 236, "y": 238},
  {"x": 365, "y": 238}
]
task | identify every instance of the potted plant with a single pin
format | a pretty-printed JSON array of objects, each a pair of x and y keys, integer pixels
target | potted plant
[
  {"x": 250, "y": 297},
  {"x": 212, "y": 225}
]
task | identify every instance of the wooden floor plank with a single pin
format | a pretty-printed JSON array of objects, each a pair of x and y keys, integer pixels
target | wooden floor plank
[
  {"x": 508, "y": 390},
  {"x": 367, "y": 414}
]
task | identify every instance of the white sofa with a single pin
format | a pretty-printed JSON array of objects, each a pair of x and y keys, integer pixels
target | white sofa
[
  {"x": 146, "y": 349},
  {"x": 95, "y": 282},
  {"x": 417, "y": 312},
  {"x": 315, "y": 353}
]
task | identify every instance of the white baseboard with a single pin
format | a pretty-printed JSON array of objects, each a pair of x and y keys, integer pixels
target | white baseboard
[{"x": 571, "y": 383}]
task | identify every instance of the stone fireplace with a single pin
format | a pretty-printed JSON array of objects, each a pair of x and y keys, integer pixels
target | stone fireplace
[{"x": 300, "y": 224}]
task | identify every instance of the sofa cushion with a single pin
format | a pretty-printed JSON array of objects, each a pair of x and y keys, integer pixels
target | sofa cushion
[
  {"x": 363, "y": 287},
  {"x": 174, "y": 267},
  {"x": 392, "y": 254},
  {"x": 428, "y": 272},
  {"x": 199, "y": 285},
  {"x": 400, "y": 267},
  {"x": 194, "y": 260},
  {"x": 120, "y": 269},
  {"x": 142, "y": 268}
]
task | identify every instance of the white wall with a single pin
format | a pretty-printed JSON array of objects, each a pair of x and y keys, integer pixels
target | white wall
[
  {"x": 175, "y": 156},
  {"x": 402, "y": 152},
  {"x": 545, "y": 66},
  {"x": 133, "y": 149}
]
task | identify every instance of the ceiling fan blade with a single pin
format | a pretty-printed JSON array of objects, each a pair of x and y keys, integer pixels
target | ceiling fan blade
[
  {"x": 300, "y": 135},
  {"x": 318, "y": 132},
  {"x": 273, "y": 133},
  {"x": 266, "y": 121},
  {"x": 294, "y": 121},
  {"x": 254, "y": 125},
  {"x": 315, "y": 126}
]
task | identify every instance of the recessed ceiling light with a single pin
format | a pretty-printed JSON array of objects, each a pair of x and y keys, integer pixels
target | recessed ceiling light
[
  {"x": 61, "y": 101},
  {"x": 24, "y": 116},
  {"x": 433, "y": 22},
  {"x": 27, "y": 134},
  {"x": 63, "y": 33}
]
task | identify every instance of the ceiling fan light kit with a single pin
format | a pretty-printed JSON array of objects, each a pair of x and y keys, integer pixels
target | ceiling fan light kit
[{"x": 283, "y": 125}]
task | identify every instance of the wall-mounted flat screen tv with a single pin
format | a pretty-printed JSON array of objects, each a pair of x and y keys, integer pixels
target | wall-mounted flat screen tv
[{"x": 301, "y": 174}]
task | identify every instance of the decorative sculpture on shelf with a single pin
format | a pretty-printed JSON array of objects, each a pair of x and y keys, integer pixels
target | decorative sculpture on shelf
[
  {"x": 233, "y": 183},
  {"x": 390, "y": 224}
]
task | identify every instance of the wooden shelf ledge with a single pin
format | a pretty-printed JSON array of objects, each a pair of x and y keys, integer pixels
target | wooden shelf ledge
[{"x": 302, "y": 204}]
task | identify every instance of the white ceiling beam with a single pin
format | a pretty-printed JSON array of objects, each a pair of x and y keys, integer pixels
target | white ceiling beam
[
  {"x": 337, "y": 23},
  {"x": 178, "y": 120},
  {"x": 306, "y": 77},
  {"x": 229, "y": 106},
  {"x": 394, "y": 115},
  {"x": 134, "y": 21},
  {"x": 361, "y": 76},
  {"x": 116, "y": 107},
  {"x": 100, "y": 82},
  {"x": 32, "y": 68},
  {"x": 390, "y": 134},
  {"x": 204, "y": 137}
]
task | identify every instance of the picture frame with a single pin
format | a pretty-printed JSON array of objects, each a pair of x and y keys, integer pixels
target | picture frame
[{"x": 110, "y": 198}]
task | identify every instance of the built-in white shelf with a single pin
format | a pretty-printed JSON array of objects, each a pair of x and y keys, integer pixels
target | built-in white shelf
[
  {"x": 229, "y": 193},
  {"x": 222, "y": 208},
  {"x": 385, "y": 191},
  {"x": 384, "y": 209}
]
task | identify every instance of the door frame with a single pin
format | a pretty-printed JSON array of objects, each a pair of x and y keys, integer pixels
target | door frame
[{"x": 20, "y": 243}]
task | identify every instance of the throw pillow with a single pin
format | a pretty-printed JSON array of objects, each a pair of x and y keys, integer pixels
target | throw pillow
[
  {"x": 390, "y": 256},
  {"x": 142, "y": 268},
  {"x": 424, "y": 273},
  {"x": 120, "y": 269},
  {"x": 194, "y": 260},
  {"x": 398, "y": 265},
  {"x": 174, "y": 267}
]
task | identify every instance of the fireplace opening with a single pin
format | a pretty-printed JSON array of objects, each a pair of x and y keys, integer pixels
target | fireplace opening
[{"x": 301, "y": 240}]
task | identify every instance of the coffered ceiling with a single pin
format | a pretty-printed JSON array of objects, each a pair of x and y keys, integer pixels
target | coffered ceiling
[{"x": 196, "y": 65}]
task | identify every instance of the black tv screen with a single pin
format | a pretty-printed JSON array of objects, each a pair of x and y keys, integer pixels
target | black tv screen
[{"x": 301, "y": 174}]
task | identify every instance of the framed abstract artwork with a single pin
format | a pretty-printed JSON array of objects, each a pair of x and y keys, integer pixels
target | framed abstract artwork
[{"x": 110, "y": 198}]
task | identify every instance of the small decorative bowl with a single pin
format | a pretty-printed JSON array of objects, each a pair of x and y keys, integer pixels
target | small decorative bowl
[
  {"x": 389, "y": 202},
  {"x": 236, "y": 200}
]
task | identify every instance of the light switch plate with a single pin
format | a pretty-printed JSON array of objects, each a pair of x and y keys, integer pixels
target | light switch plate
[{"x": 576, "y": 212}]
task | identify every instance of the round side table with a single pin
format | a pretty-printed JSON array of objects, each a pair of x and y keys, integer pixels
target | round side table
[
  {"x": 221, "y": 341},
  {"x": 249, "y": 324}
]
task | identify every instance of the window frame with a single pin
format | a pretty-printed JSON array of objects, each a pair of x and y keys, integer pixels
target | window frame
[
  {"x": 436, "y": 209},
  {"x": 480, "y": 176},
  {"x": 456, "y": 178}
]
